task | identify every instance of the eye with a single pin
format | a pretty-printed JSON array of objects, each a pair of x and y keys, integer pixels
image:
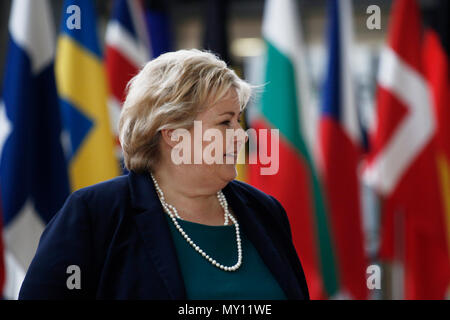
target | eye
[{"x": 226, "y": 122}]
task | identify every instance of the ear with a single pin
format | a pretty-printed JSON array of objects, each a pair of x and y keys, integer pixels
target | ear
[{"x": 169, "y": 137}]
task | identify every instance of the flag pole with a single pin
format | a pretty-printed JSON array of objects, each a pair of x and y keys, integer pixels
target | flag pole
[{"x": 398, "y": 264}]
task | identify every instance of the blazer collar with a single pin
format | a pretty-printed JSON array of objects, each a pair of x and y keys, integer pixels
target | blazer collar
[{"x": 160, "y": 246}]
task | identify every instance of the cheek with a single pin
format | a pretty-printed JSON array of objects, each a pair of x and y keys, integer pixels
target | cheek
[{"x": 217, "y": 140}]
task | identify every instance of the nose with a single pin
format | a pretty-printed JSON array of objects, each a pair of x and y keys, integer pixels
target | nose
[
  {"x": 246, "y": 137},
  {"x": 240, "y": 135}
]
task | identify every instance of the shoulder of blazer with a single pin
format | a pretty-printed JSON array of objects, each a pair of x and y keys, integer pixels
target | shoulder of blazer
[
  {"x": 106, "y": 190},
  {"x": 79, "y": 233},
  {"x": 106, "y": 205},
  {"x": 105, "y": 197}
]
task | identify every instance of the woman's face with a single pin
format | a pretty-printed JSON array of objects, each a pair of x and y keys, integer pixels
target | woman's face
[{"x": 220, "y": 121}]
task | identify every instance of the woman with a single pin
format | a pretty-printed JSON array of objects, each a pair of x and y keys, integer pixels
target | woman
[{"x": 172, "y": 230}]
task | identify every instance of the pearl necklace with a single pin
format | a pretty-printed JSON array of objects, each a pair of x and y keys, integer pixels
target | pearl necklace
[{"x": 173, "y": 213}]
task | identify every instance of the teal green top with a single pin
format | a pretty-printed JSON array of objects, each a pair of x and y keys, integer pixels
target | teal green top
[{"x": 203, "y": 281}]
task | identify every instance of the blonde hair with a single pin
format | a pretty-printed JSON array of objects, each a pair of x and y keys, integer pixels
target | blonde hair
[{"x": 168, "y": 93}]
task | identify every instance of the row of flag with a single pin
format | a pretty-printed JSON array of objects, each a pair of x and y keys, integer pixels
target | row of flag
[
  {"x": 324, "y": 167},
  {"x": 322, "y": 203},
  {"x": 59, "y": 111}
]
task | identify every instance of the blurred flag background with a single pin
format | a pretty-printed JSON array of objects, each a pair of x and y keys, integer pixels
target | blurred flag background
[
  {"x": 359, "y": 91},
  {"x": 83, "y": 93},
  {"x": 33, "y": 167},
  {"x": 136, "y": 32}
]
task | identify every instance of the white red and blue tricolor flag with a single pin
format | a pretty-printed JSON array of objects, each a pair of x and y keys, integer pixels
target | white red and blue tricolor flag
[
  {"x": 340, "y": 149},
  {"x": 33, "y": 174}
]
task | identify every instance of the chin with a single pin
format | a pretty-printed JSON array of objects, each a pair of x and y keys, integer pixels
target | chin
[{"x": 228, "y": 172}]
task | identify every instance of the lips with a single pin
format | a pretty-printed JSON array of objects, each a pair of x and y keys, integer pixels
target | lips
[
  {"x": 231, "y": 155},
  {"x": 233, "y": 152}
]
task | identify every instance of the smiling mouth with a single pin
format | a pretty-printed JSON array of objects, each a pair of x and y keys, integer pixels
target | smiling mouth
[{"x": 231, "y": 155}]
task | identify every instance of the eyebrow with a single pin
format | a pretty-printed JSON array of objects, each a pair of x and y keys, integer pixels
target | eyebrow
[{"x": 232, "y": 113}]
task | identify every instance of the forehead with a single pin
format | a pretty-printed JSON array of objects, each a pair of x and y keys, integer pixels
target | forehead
[{"x": 229, "y": 102}]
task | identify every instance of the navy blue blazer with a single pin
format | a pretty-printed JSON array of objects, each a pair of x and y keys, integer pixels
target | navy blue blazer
[{"x": 117, "y": 234}]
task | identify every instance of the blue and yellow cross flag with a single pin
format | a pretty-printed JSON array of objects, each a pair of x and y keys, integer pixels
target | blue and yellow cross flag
[{"x": 82, "y": 89}]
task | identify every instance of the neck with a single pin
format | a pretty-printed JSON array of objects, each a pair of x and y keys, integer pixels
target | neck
[{"x": 192, "y": 202}]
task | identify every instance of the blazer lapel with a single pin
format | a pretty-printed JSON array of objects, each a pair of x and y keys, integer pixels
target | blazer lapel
[
  {"x": 155, "y": 233},
  {"x": 251, "y": 225}
]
